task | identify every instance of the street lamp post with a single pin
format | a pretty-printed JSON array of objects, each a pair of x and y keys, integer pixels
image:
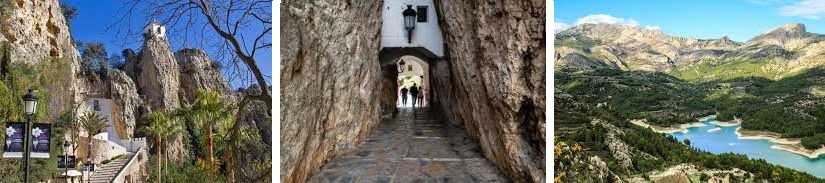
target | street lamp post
[
  {"x": 29, "y": 108},
  {"x": 409, "y": 21},
  {"x": 66, "y": 145}
]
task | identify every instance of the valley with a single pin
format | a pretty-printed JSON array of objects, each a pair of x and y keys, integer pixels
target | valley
[{"x": 629, "y": 77}]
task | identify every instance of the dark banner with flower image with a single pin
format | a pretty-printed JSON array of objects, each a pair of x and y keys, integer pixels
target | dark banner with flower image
[
  {"x": 13, "y": 147},
  {"x": 41, "y": 134}
]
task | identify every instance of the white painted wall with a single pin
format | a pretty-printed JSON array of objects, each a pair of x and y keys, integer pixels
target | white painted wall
[
  {"x": 426, "y": 34},
  {"x": 155, "y": 29},
  {"x": 105, "y": 112},
  {"x": 110, "y": 133}
]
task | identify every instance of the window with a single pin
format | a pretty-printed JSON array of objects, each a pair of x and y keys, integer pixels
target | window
[
  {"x": 421, "y": 13},
  {"x": 409, "y": 68},
  {"x": 96, "y": 105}
]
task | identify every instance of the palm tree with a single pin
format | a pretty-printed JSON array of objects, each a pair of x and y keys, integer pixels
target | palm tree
[
  {"x": 157, "y": 129},
  {"x": 93, "y": 123},
  {"x": 209, "y": 109},
  {"x": 228, "y": 137},
  {"x": 172, "y": 131}
]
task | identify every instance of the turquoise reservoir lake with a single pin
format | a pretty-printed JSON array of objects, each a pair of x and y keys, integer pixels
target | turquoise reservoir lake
[{"x": 724, "y": 140}]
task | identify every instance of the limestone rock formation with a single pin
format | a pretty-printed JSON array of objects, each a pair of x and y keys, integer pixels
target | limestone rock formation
[
  {"x": 493, "y": 83},
  {"x": 157, "y": 80},
  {"x": 255, "y": 152},
  {"x": 34, "y": 32},
  {"x": 197, "y": 71},
  {"x": 789, "y": 34},
  {"x": 158, "y": 75},
  {"x": 124, "y": 93},
  {"x": 787, "y": 48},
  {"x": 330, "y": 77}
]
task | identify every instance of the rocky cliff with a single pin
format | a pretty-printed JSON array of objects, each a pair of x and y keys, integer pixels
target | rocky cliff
[
  {"x": 493, "y": 82},
  {"x": 124, "y": 93},
  {"x": 330, "y": 78},
  {"x": 158, "y": 75},
  {"x": 197, "y": 71},
  {"x": 34, "y": 32}
]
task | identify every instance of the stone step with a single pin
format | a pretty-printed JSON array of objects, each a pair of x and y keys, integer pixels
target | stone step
[{"x": 107, "y": 172}]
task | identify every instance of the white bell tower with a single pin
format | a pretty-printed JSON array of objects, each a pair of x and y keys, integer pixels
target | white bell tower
[{"x": 154, "y": 29}]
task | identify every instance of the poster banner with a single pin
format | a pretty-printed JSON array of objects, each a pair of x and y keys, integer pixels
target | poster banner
[
  {"x": 62, "y": 161},
  {"x": 89, "y": 167},
  {"x": 41, "y": 136},
  {"x": 13, "y": 147}
]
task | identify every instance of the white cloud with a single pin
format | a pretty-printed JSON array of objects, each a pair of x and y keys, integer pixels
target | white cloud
[
  {"x": 653, "y": 27},
  {"x": 560, "y": 26},
  {"x": 606, "y": 19},
  {"x": 810, "y": 9}
]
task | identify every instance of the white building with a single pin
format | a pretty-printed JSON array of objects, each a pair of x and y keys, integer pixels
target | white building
[
  {"x": 154, "y": 29},
  {"x": 116, "y": 132},
  {"x": 426, "y": 34}
]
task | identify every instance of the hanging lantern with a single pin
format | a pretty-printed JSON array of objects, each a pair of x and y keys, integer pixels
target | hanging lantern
[{"x": 409, "y": 21}]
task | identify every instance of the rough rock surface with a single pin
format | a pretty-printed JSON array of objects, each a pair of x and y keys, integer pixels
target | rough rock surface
[
  {"x": 788, "y": 47},
  {"x": 123, "y": 92},
  {"x": 254, "y": 152},
  {"x": 34, "y": 32},
  {"x": 389, "y": 94},
  {"x": 157, "y": 80},
  {"x": 198, "y": 72},
  {"x": 493, "y": 83},
  {"x": 158, "y": 75},
  {"x": 330, "y": 78}
]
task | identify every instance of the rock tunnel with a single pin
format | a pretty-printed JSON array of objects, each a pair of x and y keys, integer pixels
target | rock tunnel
[{"x": 340, "y": 70}]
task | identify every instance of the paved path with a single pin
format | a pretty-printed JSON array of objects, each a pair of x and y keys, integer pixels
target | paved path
[{"x": 413, "y": 147}]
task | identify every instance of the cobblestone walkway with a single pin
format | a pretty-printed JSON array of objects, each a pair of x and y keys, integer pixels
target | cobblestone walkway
[{"x": 413, "y": 147}]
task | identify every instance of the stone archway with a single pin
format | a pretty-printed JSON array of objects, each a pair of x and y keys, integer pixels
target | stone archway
[
  {"x": 417, "y": 71},
  {"x": 389, "y": 58},
  {"x": 488, "y": 77}
]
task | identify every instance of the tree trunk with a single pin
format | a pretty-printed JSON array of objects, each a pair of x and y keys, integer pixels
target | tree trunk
[
  {"x": 210, "y": 159},
  {"x": 166, "y": 158},
  {"x": 230, "y": 165},
  {"x": 158, "y": 153},
  {"x": 89, "y": 151}
]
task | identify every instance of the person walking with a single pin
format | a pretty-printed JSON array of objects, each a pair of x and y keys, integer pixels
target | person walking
[
  {"x": 403, "y": 96},
  {"x": 420, "y": 96},
  {"x": 414, "y": 93}
]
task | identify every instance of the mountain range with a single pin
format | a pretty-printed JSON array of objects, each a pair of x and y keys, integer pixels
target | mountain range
[{"x": 787, "y": 48}]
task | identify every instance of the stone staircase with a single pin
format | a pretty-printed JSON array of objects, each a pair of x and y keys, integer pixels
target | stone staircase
[{"x": 107, "y": 172}]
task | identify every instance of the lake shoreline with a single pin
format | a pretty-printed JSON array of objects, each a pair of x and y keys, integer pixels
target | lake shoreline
[
  {"x": 683, "y": 128},
  {"x": 792, "y": 145},
  {"x": 726, "y": 123},
  {"x": 765, "y": 135},
  {"x": 798, "y": 149}
]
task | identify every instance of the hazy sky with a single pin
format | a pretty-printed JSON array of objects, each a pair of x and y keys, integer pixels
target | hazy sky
[
  {"x": 704, "y": 19},
  {"x": 95, "y": 15}
]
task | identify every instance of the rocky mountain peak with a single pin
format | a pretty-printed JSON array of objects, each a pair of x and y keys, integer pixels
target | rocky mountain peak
[
  {"x": 782, "y": 35},
  {"x": 792, "y": 27}
]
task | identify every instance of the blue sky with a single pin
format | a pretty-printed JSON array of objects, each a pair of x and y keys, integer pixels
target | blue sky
[
  {"x": 95, "y": 15},
  {"x": 705, "y": 19}
]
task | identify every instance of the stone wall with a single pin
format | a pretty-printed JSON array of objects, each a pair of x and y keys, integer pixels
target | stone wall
[
  {"x": 493, "y": 82},
  {"x": 330, "y": 80},
  {"x": 389, "y": 88}
]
